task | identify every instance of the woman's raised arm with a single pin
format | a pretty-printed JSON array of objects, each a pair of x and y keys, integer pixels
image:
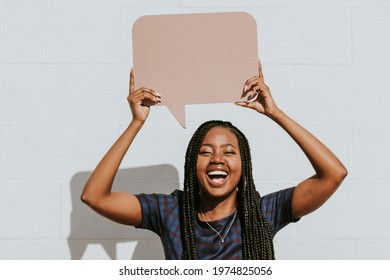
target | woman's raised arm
[
  {"x": 118, "y": 206},
  {"x": 311, "y": 193}
]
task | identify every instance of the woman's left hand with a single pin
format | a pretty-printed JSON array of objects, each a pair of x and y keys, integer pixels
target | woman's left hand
[
  {"x": 264, "y": 103},
  {"x": 311, "y": 193}
]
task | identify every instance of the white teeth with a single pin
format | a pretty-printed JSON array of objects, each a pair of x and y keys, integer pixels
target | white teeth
[
  {"x": 218, "y": 180},
  {"x": 217, "y": 173}
]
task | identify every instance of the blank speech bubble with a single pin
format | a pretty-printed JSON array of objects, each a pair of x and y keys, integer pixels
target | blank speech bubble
[{"x": 195, "y": 58}]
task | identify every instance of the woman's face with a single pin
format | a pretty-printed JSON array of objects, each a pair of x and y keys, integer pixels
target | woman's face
[{"x": 219, "y": 164}]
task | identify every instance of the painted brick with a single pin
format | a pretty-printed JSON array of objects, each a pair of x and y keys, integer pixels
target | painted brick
[
  {"x": 30, "y": 209},
  {"x": 34, "y": 249},
  {"x": 275, "y": 156},
  {"x": 52, "y": 151},
  {"x": 282, "y": 3},
  {"x": 31, "y": 92},
  {"x": 337, "y": 137},
  {"x": 92, "y": 3},
  {"x": 369, "y": 93},
  {"x": 354, "y": 212},
  {"x": 370, "y": 156},
  {"x": 373, "y": 249},
  {"x": 304, "y": 36},
  {"x": 55, "y": 35},
  {"x": 106, "y": 249},
  {"x": 146, "y": 249},
  {"x": 371, "y": 39},
  {"x": 31, "y": 3},
  {"x": 96, "y": 93},
  {"x": 2, "y": 34},
  {"x": 323, "y": 93},
  {"x": 149, "y": 4},
  {"x": 315, "y": 250},
  {"x": 163, "y": 142}
]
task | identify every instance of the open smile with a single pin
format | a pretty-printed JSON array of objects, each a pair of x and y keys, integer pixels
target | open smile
[{"x": 217, "y": 177}]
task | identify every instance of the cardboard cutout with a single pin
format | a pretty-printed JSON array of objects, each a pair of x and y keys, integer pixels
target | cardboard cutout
[{"x": 195, "y": 58}]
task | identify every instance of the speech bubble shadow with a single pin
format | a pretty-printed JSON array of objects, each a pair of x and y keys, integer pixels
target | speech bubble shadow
[{"x": 195, "y": 58}]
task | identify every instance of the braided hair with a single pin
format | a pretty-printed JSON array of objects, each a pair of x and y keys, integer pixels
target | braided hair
[{"x": 255, "y": 231}]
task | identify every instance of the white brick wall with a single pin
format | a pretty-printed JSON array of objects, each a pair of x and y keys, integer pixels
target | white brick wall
[{"x": 64, "y": 68}]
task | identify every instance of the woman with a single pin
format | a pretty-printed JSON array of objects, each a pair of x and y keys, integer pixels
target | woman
[{"x": 219, "y": 214}]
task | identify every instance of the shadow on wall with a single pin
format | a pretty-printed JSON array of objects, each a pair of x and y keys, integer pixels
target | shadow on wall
[{"x": 89, "y": 228}]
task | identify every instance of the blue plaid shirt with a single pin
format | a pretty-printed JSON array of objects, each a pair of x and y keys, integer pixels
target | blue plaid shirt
[{"x": 160, "y": 214}]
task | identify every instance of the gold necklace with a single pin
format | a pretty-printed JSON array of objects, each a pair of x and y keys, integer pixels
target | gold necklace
[{"x": 220, "y": 236}]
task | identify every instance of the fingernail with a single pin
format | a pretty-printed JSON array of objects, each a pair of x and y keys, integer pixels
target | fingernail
[{"x": 159, "y": 95}]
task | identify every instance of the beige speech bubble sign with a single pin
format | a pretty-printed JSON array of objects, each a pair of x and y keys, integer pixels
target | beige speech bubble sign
[{"x": 195, "y": 58}]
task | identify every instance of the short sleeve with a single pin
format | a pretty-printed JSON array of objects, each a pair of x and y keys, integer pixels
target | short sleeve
[
  {"x": 160, "y": 214},
  {"x": 150, "y": 212},
  {"x": 157, "y": 210},
  {"x": 276, "y": 209}
]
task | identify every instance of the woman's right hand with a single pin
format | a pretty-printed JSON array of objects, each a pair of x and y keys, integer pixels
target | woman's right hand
[
  {"x": 140, "y": 100},
  {"x": 264, "y": 103}
]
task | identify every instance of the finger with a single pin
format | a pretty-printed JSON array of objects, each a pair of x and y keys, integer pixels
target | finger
[
  {"x": 148, "y": 103},
  {"x": 263, "y": 88},
  {"x": 242, "y": 103},
  {"x": 131, "y": 80},
  {"x": 252, "y": 83},
  {"x": 245, "y": 104},
  {"x": 256, "y": 88},
  {"x": 142, "y": 90},
  {"x": 156, "y": 94},
  {"x": 142, "y": 93},
  {"x": 256, "y": 84},
  {"x": 150, "y": 99},
  {"x": 251, "y": 80},
  {"x": 260, "y": 67},
  {"x": 141, "y": 96}
]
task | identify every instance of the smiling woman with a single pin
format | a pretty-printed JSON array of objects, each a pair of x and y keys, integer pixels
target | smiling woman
[
  {"x": 221, "y": 194},
  {"x": 218, "y": 214},
  {"x": 218, "y": 167}
]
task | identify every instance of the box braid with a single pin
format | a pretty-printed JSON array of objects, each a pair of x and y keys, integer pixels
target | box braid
[{"x": 256, "y": 233}]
